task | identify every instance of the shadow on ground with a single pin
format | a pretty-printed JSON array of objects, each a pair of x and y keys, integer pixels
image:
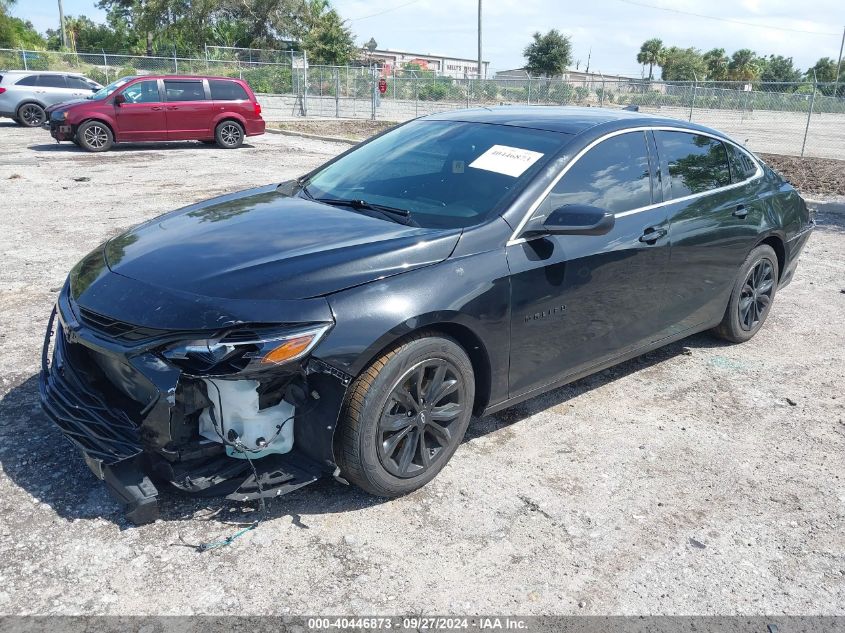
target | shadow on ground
[
  {"x": 68, "y": 147},
  {"x": 36, "y": 457}
]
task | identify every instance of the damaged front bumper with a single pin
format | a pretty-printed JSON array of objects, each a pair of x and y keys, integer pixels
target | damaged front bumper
[{"x": 136, "y": 419}]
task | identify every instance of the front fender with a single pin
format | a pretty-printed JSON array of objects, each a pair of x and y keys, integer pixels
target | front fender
[{"x": 472, "y": 292}]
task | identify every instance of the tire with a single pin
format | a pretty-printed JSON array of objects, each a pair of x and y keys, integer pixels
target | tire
[
  {"x": 30, "y": 115},
  {"x": 95, "y": 136},
  {"x": 229, "y": 134},
  {"x": 752, "y": 296},
  {"x": 378, "y": 439},
  {"x": 75, "y": 141}
]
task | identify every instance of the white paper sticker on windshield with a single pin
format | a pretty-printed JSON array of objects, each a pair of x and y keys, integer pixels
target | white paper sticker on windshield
[{"x": 502, "y": 159}]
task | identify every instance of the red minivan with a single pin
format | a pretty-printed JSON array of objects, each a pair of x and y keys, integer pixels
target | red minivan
[{"x": 159, "y": 108}]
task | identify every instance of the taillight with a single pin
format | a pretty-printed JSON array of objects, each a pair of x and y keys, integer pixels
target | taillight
[
  {"x": 2, "y": 90},
  {"x": 257, "y": 109}
]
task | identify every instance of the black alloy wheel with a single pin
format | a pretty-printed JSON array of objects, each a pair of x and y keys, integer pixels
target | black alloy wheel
[
  {"x": 416, "y": 427},
  {"x": 31, "y": 115},
  {"x": 756, "y": 294},
  {"x": 752, "y": 295},
  {"x": 405, "y": 415}
]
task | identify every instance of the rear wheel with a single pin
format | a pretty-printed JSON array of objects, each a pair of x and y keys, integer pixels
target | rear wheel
[
  {"x": 229, "y": 134},
  {"x": 30, "y": 115},
  {"x": 752, "y": 296},
  {"x": 405, "y": 416},
  {"x": 94, "y": 136}
]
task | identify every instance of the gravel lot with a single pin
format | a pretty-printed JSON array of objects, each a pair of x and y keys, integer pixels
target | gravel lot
[{"x": 700, "y": 479}]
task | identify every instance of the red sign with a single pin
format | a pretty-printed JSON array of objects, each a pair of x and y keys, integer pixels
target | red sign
[{"x": 382, "y": 85}]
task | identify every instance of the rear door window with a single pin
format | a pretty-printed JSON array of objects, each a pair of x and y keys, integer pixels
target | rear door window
[
  {"x": 184, "y": 90},
  {"x": 743, "y": 166},
  {"x": 696, "y": 163},
  {"x": 614, "y": 176},
  {"x": 52, "y": 81},
  {"x": 222, "y": 90}
]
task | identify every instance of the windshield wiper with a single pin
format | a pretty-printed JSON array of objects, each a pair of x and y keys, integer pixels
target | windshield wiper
[{"x": 402, "y": 215}]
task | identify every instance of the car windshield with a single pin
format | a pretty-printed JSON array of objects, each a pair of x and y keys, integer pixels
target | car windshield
[
  {"x": 446, "y": 174},
  {"x": 104, "y": 92}
]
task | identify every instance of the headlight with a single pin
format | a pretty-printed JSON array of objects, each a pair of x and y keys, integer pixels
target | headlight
[
  {"x": 64, "y": 115},
  {"x": 245, "y": 350}
]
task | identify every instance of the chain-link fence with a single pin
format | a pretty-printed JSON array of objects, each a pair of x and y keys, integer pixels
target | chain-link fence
[
  {"x": 280, "y": 73},
  {"x": 784, "y": 118}
]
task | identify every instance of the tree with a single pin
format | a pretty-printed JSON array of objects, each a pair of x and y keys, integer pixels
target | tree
[
  {"x": 779, "y": 73},
  {"x": 744, "y": 65},
  {"x": 15, "y": 33},
  {"x": 329, "y": 41},
  {"x": 825, "y": 70},
  {"x": 548, "y": 55},
  {"x": 716, "y": 64},
  {"x": 682, "y": 64},
  {"x": 651, "y": 53}
]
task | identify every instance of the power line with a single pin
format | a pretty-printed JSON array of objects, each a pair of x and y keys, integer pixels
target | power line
[
  {"x": 372, "y": 15},
  {"x": 713, "y": 17}
]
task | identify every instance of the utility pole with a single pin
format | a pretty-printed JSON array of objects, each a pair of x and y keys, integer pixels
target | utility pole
[
  {"x": 480, "y": 63},
  {"x": 839, "y": 65},
  {"x": 62, "y": 22}
]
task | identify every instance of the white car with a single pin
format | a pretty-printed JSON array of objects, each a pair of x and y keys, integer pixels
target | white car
[{"x": 25, "y": 94}]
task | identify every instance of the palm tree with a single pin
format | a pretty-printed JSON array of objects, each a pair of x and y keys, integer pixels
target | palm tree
[
  {"x": 651, "y": 53},
  {"x": 717, "y": 64},
  {"x": 744, "y": 65}
]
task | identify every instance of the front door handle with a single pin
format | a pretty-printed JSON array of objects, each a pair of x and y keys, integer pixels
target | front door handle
[
  {"x": 172, "y": 107},
  {"x": 156, "y": 108},
  {"x": 652, "y": 234},
  {"x": 741, "y": 211}
]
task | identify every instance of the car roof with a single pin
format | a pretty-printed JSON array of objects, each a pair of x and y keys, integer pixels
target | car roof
[
  {"x": 40, "y": 72},
  {"x": 564, "y": 119},
  {"x": 183, "y": 77}
]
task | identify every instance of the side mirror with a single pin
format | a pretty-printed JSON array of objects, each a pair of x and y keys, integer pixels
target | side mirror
[
  {"x": 119, "y": 99},
  {"x": 573, "y": 219}
]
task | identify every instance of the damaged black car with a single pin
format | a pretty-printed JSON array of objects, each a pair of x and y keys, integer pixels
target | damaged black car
[{"x": 350, "y": 322}]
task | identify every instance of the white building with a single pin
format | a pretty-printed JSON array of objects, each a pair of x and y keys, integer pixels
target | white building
[{"x": 458, "y": 67}]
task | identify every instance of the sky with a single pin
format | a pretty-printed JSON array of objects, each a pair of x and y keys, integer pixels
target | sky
[{"x": 610, "y": 32}]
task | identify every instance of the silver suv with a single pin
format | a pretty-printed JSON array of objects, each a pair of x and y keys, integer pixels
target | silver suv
[{"x": 24, "y": 95}]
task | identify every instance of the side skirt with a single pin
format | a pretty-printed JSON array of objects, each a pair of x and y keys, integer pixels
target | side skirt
[{"x": 639, "y": 351}]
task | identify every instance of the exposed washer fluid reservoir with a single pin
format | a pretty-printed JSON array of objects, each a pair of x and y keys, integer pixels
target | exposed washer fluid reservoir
[{"x": 235, "y": 407}]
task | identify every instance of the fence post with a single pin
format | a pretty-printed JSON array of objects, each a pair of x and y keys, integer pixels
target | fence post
[
  {"x": 529, "y": 89},
  {"x": 694, "y": 90},
  {"x": 105, "y": 64},
  {"x": 337, "y": 93},
  {"x": 207, "y": 68},
  {"x": 809, "y": 113},
  {"x": 601, "y": 99},
  {"x": 23, "y": 57},
  {"x": 416, "y": 95},
  {"x": 374, "y": 85},
  {"x": 175, "y": 62}
]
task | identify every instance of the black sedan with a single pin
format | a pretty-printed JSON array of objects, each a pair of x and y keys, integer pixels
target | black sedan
[{"x": 350, "y": 322}]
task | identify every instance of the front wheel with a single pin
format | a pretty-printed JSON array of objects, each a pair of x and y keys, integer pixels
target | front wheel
[
  {"x": 405, "y": 416},
  {"x": 229, "y": 134},
  {"x": 751, "y": 297},
  {"x": 94, "y": 136}
]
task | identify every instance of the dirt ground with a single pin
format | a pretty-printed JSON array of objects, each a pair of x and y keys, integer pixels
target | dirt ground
[
  {"x": 812, "y": 176},
  {"x": 352, "y": 129},
  {"x": 703, "y": 478}
]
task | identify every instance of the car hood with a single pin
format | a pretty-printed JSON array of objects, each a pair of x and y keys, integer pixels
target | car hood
[
  {"x": 65, "y": 105},
  {"x": 263, "y": 244}
]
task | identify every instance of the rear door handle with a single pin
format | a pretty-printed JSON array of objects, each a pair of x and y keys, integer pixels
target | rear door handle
[
  {"x": 741, "y": 211},
  {"x": 172, "y": 107},
  {"x": 652, "y": 234},
  {"x": 156, "y": 108}
]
